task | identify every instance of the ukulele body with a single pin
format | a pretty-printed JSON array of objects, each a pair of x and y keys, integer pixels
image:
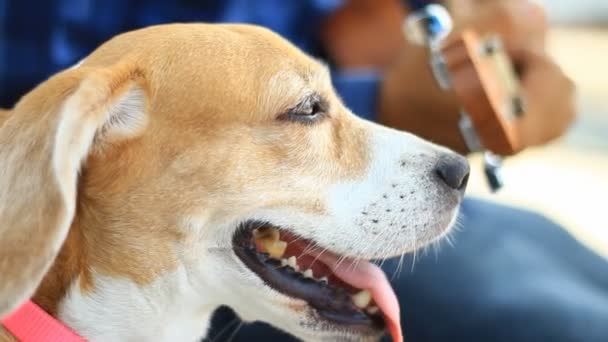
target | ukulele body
[{"x": 485, "y": 83}]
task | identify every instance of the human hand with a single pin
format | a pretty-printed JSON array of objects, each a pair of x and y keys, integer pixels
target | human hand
[{"x": 411, "y": 100}]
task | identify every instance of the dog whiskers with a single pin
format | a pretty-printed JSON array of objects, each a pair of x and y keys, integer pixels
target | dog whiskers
[
  {"x": 459, "y": 223},
  {"x": 436, "y": 246},
  {"x": 371, "y": 244},
  {"x": 365, "y": 252},
  {"x": 318, "y": 256},
  {"x": 449, "y": 241},
  {"x": 311, "y": 246},
  {"x": 340, "y": 261},
  {"x": 298, "y": 238},
  {"x": 225, "y": 329},
  {"x": 389, "y": 244},
  {"x": 353, "y": 264},
  {"x": 414, "y": 259},
  {"x": 233, "y": 335},
  {"x": 398, "y": 270}
]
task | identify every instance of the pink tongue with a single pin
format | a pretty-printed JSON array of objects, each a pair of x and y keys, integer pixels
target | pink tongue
[{"x": 370, "y": 277}]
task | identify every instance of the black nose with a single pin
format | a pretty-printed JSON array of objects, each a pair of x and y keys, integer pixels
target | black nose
[{"x": 453, "y": 170}]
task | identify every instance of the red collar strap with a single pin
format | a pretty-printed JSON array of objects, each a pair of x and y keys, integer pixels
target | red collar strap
[{"x": 30, "y": 323}]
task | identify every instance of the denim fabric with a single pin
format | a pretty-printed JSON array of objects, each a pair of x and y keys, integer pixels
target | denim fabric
[{"x": 41, "y": 37}]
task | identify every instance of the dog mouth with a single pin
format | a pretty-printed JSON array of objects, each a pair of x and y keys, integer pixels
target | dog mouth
[{"x": 351, "y": 293}]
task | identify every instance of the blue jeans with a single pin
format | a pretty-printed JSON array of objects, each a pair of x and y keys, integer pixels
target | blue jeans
[{"x": 512, "y": 275}]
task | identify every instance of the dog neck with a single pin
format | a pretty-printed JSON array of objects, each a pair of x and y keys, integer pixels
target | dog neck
[
  {"x": 166, "y": 310},
  {"x": 109, "y": 308}
]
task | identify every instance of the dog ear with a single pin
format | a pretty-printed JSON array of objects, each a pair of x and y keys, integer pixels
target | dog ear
[{"x": 40, "y": 158}]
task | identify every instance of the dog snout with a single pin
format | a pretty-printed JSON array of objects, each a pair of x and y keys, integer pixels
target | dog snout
[{"x": 453, "y": 171}]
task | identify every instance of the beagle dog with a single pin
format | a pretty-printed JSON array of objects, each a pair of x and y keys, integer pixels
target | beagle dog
[{"x": 183, "y": 167}]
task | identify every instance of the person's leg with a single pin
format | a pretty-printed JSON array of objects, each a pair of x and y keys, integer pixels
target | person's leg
[{"x": 512, "y": 275}]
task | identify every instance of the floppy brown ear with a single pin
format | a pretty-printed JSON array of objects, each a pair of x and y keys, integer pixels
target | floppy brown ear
[{"x": 40, "y": 158}]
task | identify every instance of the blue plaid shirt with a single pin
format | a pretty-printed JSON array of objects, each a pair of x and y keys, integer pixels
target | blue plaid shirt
[{"x": 40, "y": 37}]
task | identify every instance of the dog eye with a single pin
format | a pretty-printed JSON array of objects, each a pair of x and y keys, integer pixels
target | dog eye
[
  {"x": 312, "y": 110},
  {"x": 308, "y": 111}
]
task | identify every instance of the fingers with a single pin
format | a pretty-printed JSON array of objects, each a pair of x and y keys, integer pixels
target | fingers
[
  {"x": 550, "y": 97},
  {"x": 549, "y": 94}
]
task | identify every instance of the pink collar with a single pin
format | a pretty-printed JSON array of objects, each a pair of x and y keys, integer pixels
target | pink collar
[{"x": 30, "y": 323}]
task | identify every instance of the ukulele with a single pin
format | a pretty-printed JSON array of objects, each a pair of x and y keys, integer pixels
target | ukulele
[
  {"x": 472, "y": 68},
  {"x": 479, "y": 71}
]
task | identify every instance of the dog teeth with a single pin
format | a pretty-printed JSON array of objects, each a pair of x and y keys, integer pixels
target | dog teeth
[
  {"x": 275, "y": 249},
  {"x": 266, "y": 233},
  {"x": 324, "y": 280},
  {"x": 362, "y": 299},
  {"x": 291, "y": 262},
  {"x": 269, "y": 240},
  {"x": 372, "y": 310},
  {"x": 308, "y": 274}
]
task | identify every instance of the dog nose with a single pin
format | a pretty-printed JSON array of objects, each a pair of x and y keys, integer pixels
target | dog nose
[{"x": 453, "y": 170}]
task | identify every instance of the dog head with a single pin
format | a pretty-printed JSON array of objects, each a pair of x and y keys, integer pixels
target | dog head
[{"x": 215, "y": 165}]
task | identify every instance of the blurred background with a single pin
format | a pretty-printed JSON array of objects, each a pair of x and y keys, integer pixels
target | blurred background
[{"x": 568, "y": 180}]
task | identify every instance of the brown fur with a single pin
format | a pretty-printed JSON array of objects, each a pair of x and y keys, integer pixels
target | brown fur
[
  {"x": 5, "y": 336},
  {"x": 4, "y": 114},
  {"x": 212, "y": 142}
]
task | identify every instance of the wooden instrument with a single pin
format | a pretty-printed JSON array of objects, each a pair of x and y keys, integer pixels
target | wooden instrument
[
  {"x": 485, "y": 82},
  {"x": 480, "y": 73},
  {"x": 475, "y": 68}
]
